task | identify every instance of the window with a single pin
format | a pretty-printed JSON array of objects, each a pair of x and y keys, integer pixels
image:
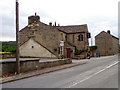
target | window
[
  {"x": 66, "y": 37},
  {"x": 62, "y": 35},
  {"x": 32, "y": 46},
  {"x": 80, "y": 37},
  {"x": 58, "y": 50},
  {"x": 88, "y": 35},
  {"x": 110, "y": 48},
  {"x": 73, "y": 38}
]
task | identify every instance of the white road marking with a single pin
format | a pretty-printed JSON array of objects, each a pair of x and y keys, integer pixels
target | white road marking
[{"x": 75, "y": 83}]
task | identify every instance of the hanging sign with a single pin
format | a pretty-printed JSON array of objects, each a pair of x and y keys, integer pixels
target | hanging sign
[{"x": 61, "y": 43}]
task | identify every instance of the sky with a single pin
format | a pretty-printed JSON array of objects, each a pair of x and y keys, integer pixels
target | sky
[{"x": 99, "y": 15}]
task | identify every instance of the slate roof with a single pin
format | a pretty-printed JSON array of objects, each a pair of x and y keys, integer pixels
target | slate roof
[
  {"x": 109, "y": 34},
  {"x": 73, "y": 28},
  {"x": 115, "y": 37}
]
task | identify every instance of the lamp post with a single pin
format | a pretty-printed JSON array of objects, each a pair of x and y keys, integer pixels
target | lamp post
[{"x": 17, "y": 38}]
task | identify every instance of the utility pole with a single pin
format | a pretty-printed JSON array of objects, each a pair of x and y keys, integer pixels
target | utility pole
[{"x": 17, "y": 38}]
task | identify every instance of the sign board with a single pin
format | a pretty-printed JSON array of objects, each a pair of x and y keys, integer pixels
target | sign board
[{"x": 61, "y": 43}]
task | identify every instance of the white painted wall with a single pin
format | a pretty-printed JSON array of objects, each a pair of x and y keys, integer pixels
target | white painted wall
[{"x": 37, "y": 50}]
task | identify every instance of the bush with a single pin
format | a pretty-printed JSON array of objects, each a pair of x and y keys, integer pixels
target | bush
[
  {"x": 93, "y": 48},
  {"x": 7, "y": 46},
  {"x": 61, "y": 56},
  {"x": 77, "y": 52}
]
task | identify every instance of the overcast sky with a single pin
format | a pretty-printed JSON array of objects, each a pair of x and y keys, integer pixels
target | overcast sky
[{"x": 99, "y": 15}]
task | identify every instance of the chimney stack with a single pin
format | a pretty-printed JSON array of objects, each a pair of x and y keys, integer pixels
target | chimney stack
[
  {"x": 108, "y": 31},
  {"x": 35, "y": 14},
  {"x": 55, "y": 23},
  {"x": 50, "y": 23},
  {"x": 33, "y": 19}
]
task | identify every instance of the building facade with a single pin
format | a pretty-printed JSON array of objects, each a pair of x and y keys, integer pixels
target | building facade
[
  {"x": 38, "y": 39},
  {"x": 106, "y": 43}
]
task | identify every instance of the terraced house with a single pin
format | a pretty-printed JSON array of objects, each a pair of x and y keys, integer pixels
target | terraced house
[
  {"x": 38, "y": 39},
  {"x": 106, "y": 43}
]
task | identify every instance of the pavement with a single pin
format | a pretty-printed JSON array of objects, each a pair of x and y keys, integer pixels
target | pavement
[{"x": 42, "y": 71}]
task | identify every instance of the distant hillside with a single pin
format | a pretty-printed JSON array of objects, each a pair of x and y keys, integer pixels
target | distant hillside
[{"x": 9, "y": 46}]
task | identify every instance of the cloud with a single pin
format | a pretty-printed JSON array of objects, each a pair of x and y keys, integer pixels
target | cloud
[
  {"x": 7, "y": 38},
  {"x": 98, "y": 14},
  {"x": 96, "y": 24},
  {"x": 7, "y": 27}
]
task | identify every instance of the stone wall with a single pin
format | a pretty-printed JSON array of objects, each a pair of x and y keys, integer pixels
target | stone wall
[
  {"x": 32, "y": 48},
  {"x": 105, "y": 42},
  {"x": 30, "y": 65},
  {"x": 50, "y": 36},
  {"x": 46, "y": 35},
  {"x": 80, "y": 45},
  {"x": 115, "y": 45},
  {"x": 7, "y": 55}
]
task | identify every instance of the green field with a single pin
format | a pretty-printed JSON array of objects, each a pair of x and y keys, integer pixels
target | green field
[{"x": 9, "y": 46}]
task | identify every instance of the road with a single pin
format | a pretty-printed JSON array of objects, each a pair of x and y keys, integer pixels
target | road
[{"x": 96, "y": 73}]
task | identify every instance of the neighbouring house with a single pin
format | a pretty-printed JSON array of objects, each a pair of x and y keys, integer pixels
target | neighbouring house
[
  {"x": 38, "y": 39},
  {"x": 106, "y": 43}
]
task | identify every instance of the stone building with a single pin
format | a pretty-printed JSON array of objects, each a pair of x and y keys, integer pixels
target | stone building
[
  {"x": 38, "y": 39},
  {"x": 106, "y": 43}
]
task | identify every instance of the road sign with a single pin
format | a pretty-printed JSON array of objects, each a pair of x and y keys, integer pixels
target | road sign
[{"x": 61, "y": 43}]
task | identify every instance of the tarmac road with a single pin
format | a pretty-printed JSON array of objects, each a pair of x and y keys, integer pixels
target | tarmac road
[{"x": 97, "y": 73}]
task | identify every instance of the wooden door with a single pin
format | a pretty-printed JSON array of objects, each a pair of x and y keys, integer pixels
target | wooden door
[{"x": 68, "y": 53}]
